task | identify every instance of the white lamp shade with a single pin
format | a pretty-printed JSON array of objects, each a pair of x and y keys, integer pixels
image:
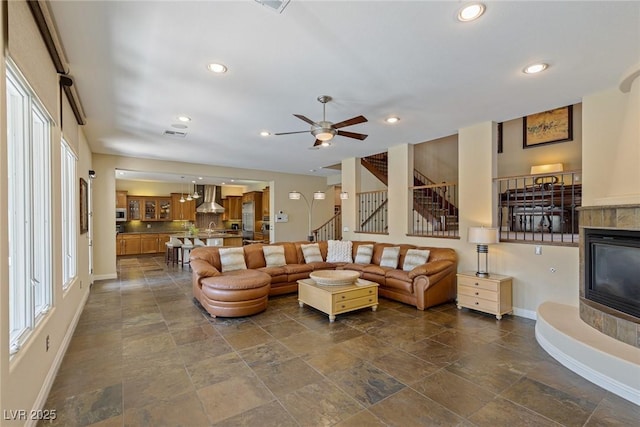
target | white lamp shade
[
  {"x": 483, "y": 235},
  {"x": 551, "y": 168},
  {"x": 319, "y": 195},
  {"x": 344, "y": 195},
  {"x": 294, "y": 195}
]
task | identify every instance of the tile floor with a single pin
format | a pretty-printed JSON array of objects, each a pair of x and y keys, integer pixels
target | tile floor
[{"x": 144, "y": 354}]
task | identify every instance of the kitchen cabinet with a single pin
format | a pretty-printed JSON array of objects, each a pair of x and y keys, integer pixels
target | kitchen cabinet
[
  {"x": 265, "y": 204},
  {"x": 232, "y": 208},
  {"x": 182, "y": 211},
  {"x": 157, "y": 209},
  {"x": 162, "y": 239},
  {"x": 128, "y": 244},
  {"x": 121, "y": 200},
  {"x": 134, "y": 208},
  {"x": 148, "y": 243}
]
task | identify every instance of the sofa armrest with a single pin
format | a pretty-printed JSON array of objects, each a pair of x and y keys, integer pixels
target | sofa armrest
[
  {"x": 429, "y": 268},
  {"x": 203, "y": 269}
]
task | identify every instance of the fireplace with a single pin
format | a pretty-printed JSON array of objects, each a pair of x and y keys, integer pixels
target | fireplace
[
  {"x": 612, "y": 269},
  {"x": 609, "y": 270}
]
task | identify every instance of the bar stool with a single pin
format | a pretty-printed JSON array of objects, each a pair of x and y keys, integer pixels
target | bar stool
[
  {"x": 186, "y": 247},
  {"x": 172, "y": 253}
]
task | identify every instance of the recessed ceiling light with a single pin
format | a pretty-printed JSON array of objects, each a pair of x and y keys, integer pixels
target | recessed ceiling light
[
  {"x": 184, "y": 118},
  {"x": 392, "y": 120},
  {"x": 471, "y": 12},
  {"x": 265, "y": 133},
  {"x": 535, "y": 68},
  {"x": 217, "y": 68}
]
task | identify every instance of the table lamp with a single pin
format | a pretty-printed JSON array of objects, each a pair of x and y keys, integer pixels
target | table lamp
[{"x": 483, "y": 237}]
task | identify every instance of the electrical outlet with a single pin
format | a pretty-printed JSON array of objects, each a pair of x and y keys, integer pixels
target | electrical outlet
[
  {"x": 538, "y": 250},
  {"x": 47, "y": 343},
  {"x": 148, "y": 225}
]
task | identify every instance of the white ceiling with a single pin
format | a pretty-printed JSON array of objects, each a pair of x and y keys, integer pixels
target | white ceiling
[{"x": 138, "y": 65}]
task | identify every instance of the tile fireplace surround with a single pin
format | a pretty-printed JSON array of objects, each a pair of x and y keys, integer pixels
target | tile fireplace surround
[{"x": 610, "y": 322}]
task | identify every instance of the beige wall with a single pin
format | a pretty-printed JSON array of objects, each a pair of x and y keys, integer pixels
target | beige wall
[
  {"x": 516, "y": 160},
  {"x": 437, "y": 159},
  {"x": 611, "y": 152},
  {"x": 27, "y": 377}
]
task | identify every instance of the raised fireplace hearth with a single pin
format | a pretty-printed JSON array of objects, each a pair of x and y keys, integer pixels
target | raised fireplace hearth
[{"x": 610, "y": 270}]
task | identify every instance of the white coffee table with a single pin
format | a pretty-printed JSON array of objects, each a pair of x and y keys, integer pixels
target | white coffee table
[{"x": 334, "y": 300}]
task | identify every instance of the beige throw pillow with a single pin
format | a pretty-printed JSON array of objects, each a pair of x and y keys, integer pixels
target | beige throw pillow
[
  {"x": 274, "y": 256},
  {"x": 414, "y": 258},
  {"x": 390, "y": 257},
  {"x": 364, "y": 254},
  {"x": 311, "y": 253},
  {"x": 339, "y": 251},
  {"x": 232, "y": 259}
]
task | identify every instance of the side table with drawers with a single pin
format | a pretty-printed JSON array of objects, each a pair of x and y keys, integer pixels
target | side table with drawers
[{"x": 488, "y": 294}]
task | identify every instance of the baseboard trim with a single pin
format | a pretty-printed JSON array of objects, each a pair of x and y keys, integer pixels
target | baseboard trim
[
  {"x": 528, "y": 314},
  {"x": 105, "y": 276},
  {"x": 41, "y": 400},
  {"x": 546, "y": 335}
]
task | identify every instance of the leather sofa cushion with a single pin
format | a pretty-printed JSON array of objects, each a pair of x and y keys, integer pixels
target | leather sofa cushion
[
  {"x": 297, "y": 268},
  {"x": 237, "y": 279},
  {"x": 377, "y": 270},
  {"x": 322, "y": 265},
  {"x": 399, "y": 284},
  {"x": 254, "y": 256},
  {"x": 355, "y": 267},
  {"x": 278, "y": 274}
]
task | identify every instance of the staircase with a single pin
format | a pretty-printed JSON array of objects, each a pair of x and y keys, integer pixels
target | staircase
[
  {"x": 332, "y": 229},
  {"x": 434, "y": 203}
]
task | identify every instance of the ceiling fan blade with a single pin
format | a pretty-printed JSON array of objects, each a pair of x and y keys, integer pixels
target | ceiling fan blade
[
  {"x": 318, "y": 142},
  {"x": 350, "y": 122},
  {"x": 291, "y": 133},
  {"x": 354, "y": 135},
  {"x": 305, "y": 119}
]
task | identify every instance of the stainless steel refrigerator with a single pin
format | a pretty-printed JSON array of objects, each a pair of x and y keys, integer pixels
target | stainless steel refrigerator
[{"x": 248, "y": 220}]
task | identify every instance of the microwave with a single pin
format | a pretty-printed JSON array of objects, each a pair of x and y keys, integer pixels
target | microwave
[{"x": 121, "y": 214}]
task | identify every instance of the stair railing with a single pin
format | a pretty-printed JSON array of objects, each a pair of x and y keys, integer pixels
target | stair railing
[
  {"x": 434, "y": 212},
  {"x": 330, "y": 230},
  {"x": 372, "y": 212}
]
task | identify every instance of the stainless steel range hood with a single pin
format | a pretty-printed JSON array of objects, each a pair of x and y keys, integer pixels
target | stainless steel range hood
[{"x": 212, "y": 199}]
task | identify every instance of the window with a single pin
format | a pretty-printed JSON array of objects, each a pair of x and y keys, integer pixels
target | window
[
  {"x": 29, "y": 202},
  {"x": 69, "y": 214}
]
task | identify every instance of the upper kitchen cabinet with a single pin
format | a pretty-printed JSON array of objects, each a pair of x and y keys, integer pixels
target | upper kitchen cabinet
[
  {"x": 121, "y": 200},
  {"x": 134, "y": 208},
  {"x": 157, "y": 209},
  {"x": 182, "y": 211},
  {"x": 232, "y": 208}
]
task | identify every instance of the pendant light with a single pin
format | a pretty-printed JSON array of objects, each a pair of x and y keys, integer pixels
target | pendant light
[
  {"x": 182, "y": 200},
  {"x": 195, "y": 191}
]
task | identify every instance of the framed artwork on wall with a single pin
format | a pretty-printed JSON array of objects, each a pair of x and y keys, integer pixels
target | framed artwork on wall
[
  {"x": 84, "y": 206},
  {"x": 548, "y": 127}
]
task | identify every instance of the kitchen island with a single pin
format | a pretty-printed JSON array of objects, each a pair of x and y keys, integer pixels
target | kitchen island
[{"x": 137, "y": 243}]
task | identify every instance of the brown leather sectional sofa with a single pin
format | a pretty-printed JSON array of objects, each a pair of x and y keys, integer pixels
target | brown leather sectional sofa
[{"x": 245, "y": 292}]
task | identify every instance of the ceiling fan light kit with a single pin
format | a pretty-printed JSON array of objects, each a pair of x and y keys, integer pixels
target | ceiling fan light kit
[{"x": 324, "y": 131}]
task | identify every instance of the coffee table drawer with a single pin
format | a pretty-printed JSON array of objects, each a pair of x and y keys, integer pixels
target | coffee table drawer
[
  {"x": 353, "y": 294},
  {"x": 352, "y": 304}
]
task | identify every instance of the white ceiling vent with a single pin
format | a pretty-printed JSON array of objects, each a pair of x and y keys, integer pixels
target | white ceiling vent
[
  {"x": 175, "y": 133},
  {"x": 276, "y": 5}
]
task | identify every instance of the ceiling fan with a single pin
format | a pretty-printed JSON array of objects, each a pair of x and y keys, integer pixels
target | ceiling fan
[{"x": 324, "y": 131}]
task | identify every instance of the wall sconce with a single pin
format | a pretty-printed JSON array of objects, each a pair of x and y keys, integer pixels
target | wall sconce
[
  {"x": 318, "y": 195},
  {"x": 483, "y": 237},
  {"x": 344, "y": 195}
]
